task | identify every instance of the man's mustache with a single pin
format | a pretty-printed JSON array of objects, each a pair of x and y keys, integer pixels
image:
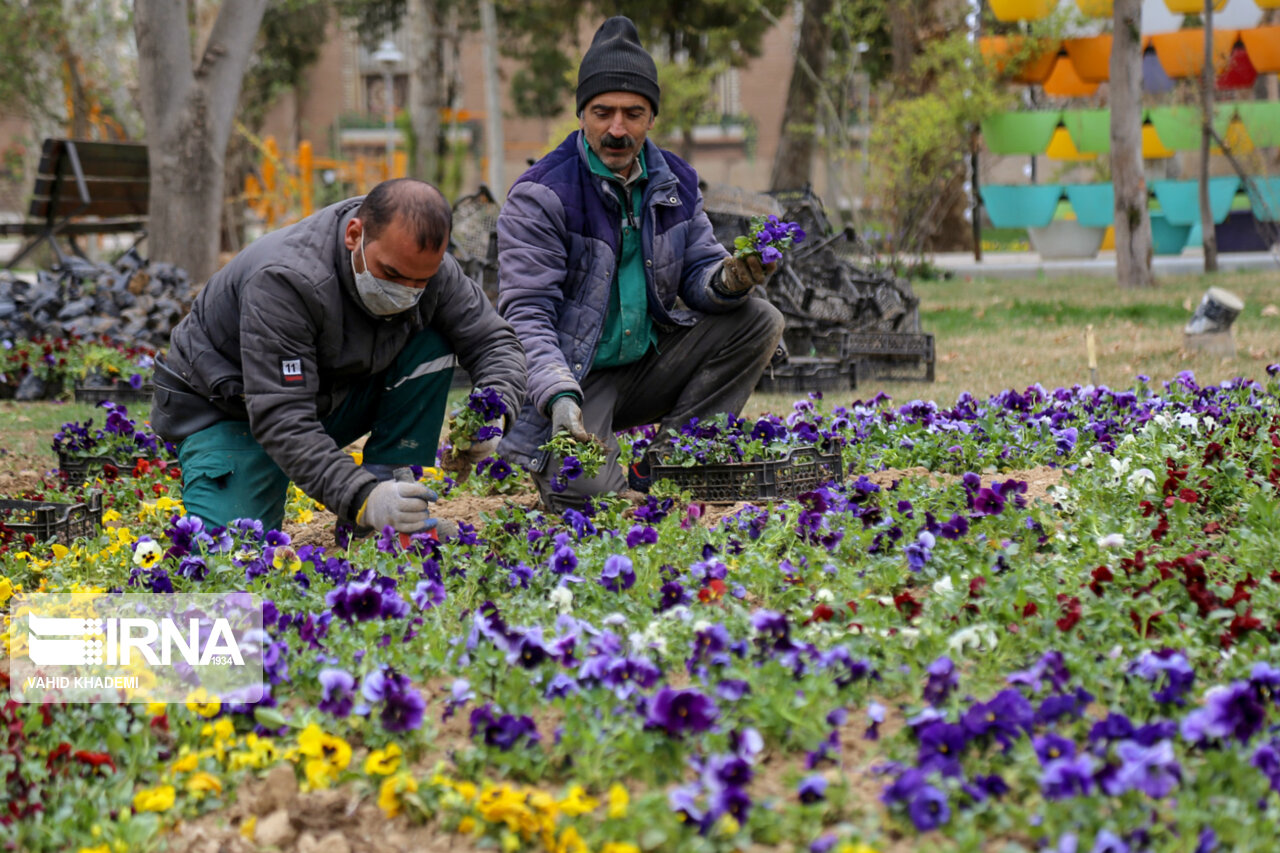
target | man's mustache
[{"x": 621, "y": 143}]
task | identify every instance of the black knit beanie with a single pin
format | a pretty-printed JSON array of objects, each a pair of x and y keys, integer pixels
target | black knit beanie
[{"x": 616, "y": 62}]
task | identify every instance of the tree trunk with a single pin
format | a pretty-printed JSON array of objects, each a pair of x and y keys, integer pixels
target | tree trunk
[
  {"x": 1132, "y": 222},
  {"x": 188, "y": 113},
  {"x": 1206, "y": 140},
  {"x": 426, "y": 87},
  {"x": 794, "y": 158},
  {"x": 902, "y": 37}
]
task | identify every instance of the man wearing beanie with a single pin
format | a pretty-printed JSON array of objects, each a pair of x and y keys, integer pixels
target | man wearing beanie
[{"x": 629, "y": 310}]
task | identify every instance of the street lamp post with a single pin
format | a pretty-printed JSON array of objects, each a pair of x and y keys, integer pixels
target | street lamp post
[{"x": 388, "y": 57}]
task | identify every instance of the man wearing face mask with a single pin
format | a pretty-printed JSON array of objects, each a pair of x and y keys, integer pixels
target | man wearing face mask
[
  {"x": 629, "y": 310},
  {"x": 344, "y": 324}
]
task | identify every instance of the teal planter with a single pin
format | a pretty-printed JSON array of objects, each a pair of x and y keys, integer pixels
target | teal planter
[
  {"x": 1264, "y": 198},
  {"x": 1019, "y": 133},
  {"x": 1180, "y": 200},
  {"x": 1168, "y": 239},
  {"x": 1094, "y": 204},
  {"x": 1021, "y": 205}
]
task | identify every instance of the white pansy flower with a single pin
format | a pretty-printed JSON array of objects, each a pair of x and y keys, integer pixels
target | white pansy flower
[
  {"x": 974, "y": 637},
  {"x": 700, "y": 626},
  {"x": 1111, "y": 540},
  {"x": 1119, "y": 465},
  {"x": 1141, "y": 479},
  {"x": 824, "y": 594},
  {"x": 562, "y": 599},
  {"x": 944, "y": 586},
  {"x": 147, "y": 553}
]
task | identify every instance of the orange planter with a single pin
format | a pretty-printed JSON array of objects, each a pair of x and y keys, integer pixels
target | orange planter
[
  {"x": 1064, "y": 82},
  {"x": 1181, "y": 53},
  {"x": 1091, "y": 57},
  {"x": 1263, "y": 45},
  {"x": 1036, "y": 58},
  {"x": 1022, "y": 10}
]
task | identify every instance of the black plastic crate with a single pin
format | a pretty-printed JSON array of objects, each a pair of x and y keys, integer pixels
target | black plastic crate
[
  {"x": 77, "y": 469},
  {"x": 45, "y": 521},
  {"x": 893, "y": 355},
  {"x": 801, "y": 374},
  {"x": 802, "y": 470},
  {"x": 118, "y": 393}
]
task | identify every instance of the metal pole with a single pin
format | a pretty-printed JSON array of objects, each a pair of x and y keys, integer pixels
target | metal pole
[
  {"x": 495, "y": 145},
  {"x": 390, "y": 110}
]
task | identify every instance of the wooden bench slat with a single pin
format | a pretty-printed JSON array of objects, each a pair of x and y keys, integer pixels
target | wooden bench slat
[
  {"x": 99, "y": 190},
  {"x": 40, "y": 208}
]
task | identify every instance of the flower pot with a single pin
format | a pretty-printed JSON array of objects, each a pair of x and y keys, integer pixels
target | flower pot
[
  {"x": 1066, "y": 238},
  {"x": 998, "y": 52},
  {"x": 1022, "y": 10},
  {"x": 1091, "y": 57},
  {"x": 1019, "y": 132},
  {"x": 1064, "y": 82},
  {"x": 1238, "y": 232},
  {"x": 1062, "y": 148},
  {"x": 1181, "y": 53},
  {"x": 1090, "y": 130},
  {"x": 1098, "y": 8},
  {"x": 1263, "y": 45},
  {"x": 1261, "y": 120},
  {"x": 1264, "y": 199},
  {"x": 1020, "y": 205},
  {"x": 1167, "y": 238},
  {"x": 1180, "y": 200},
  {"x": 1094, "y": 204},
  {"x": 1179, "y": 126}
]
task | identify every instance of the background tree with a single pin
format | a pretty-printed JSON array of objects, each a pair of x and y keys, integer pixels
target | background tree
[
  {"x": 1133, "y": 223},
  {"x": 189, "y": 102},
  {"x": 793, "y": 160}
]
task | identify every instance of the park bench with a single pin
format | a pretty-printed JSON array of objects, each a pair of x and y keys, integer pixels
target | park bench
[{"x": 81, "y": 188}]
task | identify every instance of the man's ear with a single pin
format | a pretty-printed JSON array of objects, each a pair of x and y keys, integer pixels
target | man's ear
[{"x": 351, "y": 238}]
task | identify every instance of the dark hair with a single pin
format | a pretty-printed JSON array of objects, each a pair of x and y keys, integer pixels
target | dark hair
[{"x": 423, "y": 208}]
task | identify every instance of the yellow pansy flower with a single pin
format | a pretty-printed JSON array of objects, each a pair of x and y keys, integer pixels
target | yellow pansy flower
[
  {"x": 618, "y": 801},
  {"x": 391, "y": 789},
  {"x": 855, "y": 848},
  {"x": 571, "y": 842},
  {"x": 467, "y": 825},
  {"x": 60, "y": 551},
  {"x": 101, "y": 848},
  {"x": 203, "y": 783},
  {"x": 158, "y": 799},
  {"x": 202, "y": 703},
  {"x": 383, "y": 762},
  {"x": 6, "y": 589},
  {"x": 619, "y": 847},
  {"x": 286, "y": 559},
  {"x": 327, "y": 756},
  {"x": 110, "y": 515},
  {"x": 186, "y": 763},
  {"x": 576, "y": 802},
  {"x": 249, "y": 827},
  {"x": 155, "y": 709}
]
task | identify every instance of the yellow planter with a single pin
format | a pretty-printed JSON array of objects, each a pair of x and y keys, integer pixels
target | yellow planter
[
  {"x": 1193, "y": 7},
  {"x": 1098, "y": 8},
  {"x": 1062, "y": 148},
  {"x": 1022, "y": 10}
]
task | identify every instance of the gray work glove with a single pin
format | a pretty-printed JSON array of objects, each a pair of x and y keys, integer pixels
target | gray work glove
[
  {"x": 738, "y": 275},
  {"x": 566, "y": 416},
  {"x": 403, "y": 506}
]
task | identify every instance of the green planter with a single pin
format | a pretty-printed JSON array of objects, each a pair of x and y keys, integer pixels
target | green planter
[
  {"x": 1019, "y": 132},
  {"x": 1180, "y": 200},
  {"x": 1090, "y": 130},
  {"x": 1262, "y": 120},
  {"x": 1094, "y": 204},
  {"x": 1179, "y": 127},
  {"x": 1021, "y": 205}
]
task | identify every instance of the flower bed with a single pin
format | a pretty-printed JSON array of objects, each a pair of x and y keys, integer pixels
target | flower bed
[{"x": 932, "y": 653}]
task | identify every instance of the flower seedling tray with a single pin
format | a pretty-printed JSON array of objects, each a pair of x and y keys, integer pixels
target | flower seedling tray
[
  {"x": 45, "y": 521},
  {"x": 800, "y": 374},
  {"x": 121, "y": 392},
  {"x": 802, "y": 470},
  {"x": 77, "y": 468}
]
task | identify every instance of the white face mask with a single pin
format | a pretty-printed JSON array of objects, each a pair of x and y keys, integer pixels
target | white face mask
[{"x": 380, "y": 296}]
